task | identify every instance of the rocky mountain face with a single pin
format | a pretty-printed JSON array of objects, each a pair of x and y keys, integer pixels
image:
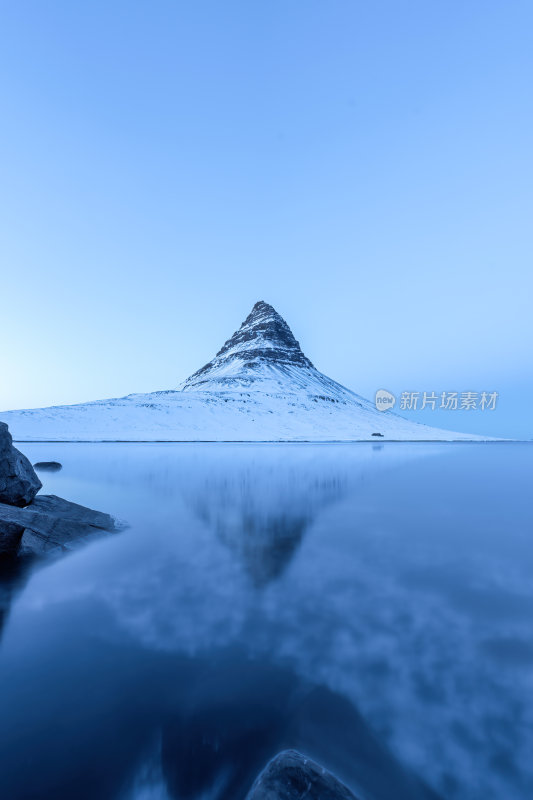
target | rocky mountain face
[{"x": 263, "y": 340}]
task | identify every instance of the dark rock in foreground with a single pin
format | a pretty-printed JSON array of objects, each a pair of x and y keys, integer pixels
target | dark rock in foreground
[
  {"x": 10, "y": 538},
  {"x": 18, "y": 482},
  {"x": 51, "y": 504},
  {"x": 41, "y": 524},
  {"x": 51, "y": 523},
  {"x": 292, "y": 776},
  {"x": 49, "y": 466}
]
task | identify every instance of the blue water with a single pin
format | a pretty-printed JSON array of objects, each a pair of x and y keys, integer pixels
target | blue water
[{"x": 370, "y": 605}]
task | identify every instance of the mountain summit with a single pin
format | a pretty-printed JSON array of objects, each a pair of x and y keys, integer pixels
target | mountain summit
[
  {"x": 259, "y": 387},
  {"x": 264, "y": 359},
  {"x": 263, "y": 340}
]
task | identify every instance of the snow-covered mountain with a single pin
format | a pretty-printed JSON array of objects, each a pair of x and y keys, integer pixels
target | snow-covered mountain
[{"x": 259, "y": 387}]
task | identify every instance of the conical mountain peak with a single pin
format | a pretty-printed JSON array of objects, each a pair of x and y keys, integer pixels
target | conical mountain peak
[
  {"x": 258, "y": 387},
  {"x": 265, "y": 334},
  {"x": 263, "y": 340}
]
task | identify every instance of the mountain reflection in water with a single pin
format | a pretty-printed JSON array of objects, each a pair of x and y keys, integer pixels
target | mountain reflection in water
[{"x": 368, "y": 605}]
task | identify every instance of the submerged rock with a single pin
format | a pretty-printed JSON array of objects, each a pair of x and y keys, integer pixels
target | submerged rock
[
  {"x": 49, "y": 466},
  {"x": 51, "y": 523},
  {"x": 292, "y": 776},
  {"x": 18, "y": 482}
]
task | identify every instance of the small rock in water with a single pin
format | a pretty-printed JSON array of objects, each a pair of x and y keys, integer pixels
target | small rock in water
[
  {"x": 291, "y": 776},
  {"x": 50, "y": 466}
]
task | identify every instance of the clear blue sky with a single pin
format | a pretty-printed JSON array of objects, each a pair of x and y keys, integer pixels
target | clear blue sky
[{"x": 364, "y": 167}]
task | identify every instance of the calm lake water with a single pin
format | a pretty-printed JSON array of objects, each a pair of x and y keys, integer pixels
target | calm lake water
[{"x": 370, "y": 605}]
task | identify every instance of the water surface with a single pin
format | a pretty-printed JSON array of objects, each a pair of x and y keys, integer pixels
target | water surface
[{"x": 371, "y": 605}]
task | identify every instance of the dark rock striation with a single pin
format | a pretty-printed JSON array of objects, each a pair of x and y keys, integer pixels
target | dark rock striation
[
  {"x": 263, "y": 338},
  {"x": 264, "y": 325},
  {"x": 292, "y": 776}
]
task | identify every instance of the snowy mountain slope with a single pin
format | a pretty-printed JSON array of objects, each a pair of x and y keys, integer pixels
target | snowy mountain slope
[{"x": 259, "y": 387}]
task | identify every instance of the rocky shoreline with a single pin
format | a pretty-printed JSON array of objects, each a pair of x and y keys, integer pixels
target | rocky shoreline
[{"x": 39, "y": 524}]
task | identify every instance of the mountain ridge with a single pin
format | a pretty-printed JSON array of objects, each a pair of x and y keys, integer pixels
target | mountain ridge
[{"x": 258, "y": 387}]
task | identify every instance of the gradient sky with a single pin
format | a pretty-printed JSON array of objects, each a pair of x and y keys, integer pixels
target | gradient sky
[{"x": 364, "y": 167}]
